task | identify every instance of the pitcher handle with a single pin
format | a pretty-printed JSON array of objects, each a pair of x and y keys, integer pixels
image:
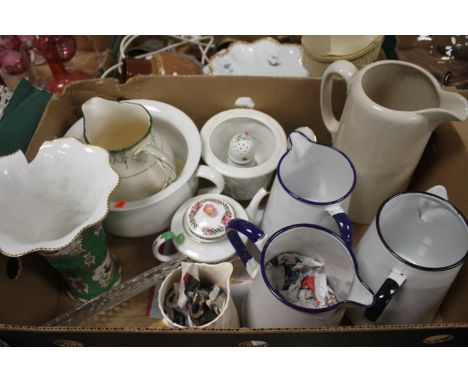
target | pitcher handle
[
  {"x": 343, "y": 223},
  {"x": 163, "y": 238},
  {"x": 346, "y": 70},
  {"x": 385, "y": 294},
  {"x": 253, "y": 233},
  {"x": 162, "y": 158},
  {"x": 214, "y": 176}
]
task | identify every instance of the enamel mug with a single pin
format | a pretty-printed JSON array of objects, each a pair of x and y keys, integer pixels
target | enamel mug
[
  {"x": 313, "y": 185},
  {"x": 265, "y": 307},
  {"x": 409, "y": 256}
]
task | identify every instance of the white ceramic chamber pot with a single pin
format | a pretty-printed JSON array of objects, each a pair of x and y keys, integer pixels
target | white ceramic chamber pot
[
  {"x": 198, "y": 228},
  {"x": 153, "y": 214},
  {"x": 264, "y": 307},
  {"x": 245, "y": 146},
  {"x": 391, "y": 110},
  {"x": 217, "y": 274},
  {"x": 409, "y": 256},
  {"x": 313, "y": 184}
]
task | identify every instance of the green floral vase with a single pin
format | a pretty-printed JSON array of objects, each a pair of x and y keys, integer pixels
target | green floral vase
[{"x": 86, "y": 265}]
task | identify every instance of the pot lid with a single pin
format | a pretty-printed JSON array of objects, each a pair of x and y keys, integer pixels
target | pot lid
[{"x": 206, "y": 219}]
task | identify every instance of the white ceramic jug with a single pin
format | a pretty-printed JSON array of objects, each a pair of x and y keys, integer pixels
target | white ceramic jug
[
  {"x": 313, "y": 184},
  {"x": 216, "y": 274},
  {"x": 139, "y": 154},
  {"x": 265, "y": 307},
  {"x": 391, "y": 110},
  {"x": 410, "y": 255}
]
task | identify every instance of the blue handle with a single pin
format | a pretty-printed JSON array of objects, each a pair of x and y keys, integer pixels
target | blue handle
[
  {"x": 248, "y": 229},
  {"x": 344, "y": 224}
]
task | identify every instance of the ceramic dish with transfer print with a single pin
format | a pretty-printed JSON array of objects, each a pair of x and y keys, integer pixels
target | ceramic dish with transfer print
[{"x": 264, "y": 57}]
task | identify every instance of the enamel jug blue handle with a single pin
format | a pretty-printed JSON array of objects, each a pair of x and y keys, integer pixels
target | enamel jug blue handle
[
  {"x": 343, "y": 223},
  {"x": 384, "y": 295},
  {"x": 253, "y": 233}
]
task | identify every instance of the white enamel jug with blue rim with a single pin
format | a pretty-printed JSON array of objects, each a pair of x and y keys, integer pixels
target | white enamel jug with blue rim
[
  {"x": 410, "y": 255},
  {"x": 265, "y": 307},
  {"x": 313, "y": 184}
]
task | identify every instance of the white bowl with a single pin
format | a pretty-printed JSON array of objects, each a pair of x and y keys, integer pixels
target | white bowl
[
  {"x": 270, "y": 144},
  {"x": 264, "y": 57},
  {"x": 153, "y": 214}
]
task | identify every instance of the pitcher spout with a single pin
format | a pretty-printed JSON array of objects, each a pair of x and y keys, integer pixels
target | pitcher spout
[
  {"x": 299, "y": 141},
  {"x": 453, "y": 107},
  {"x": 360, "y": 294}
]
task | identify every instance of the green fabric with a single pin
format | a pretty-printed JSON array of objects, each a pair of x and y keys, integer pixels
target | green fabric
[{"x": 21, "y": 117}]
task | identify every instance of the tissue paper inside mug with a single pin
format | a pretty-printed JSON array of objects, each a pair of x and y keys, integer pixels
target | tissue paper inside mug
[
  {"x": 192, "y": 302},
  {"x": 302, "y": 280}
]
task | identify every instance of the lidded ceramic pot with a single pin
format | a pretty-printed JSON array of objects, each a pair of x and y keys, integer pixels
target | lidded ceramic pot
[
  {"x": 245, "y": 146},
  {"x": 198, "y": 228}
]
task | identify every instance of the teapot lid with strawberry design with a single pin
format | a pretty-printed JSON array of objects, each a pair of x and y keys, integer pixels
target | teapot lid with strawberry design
[{"x": 206, "y": 219}]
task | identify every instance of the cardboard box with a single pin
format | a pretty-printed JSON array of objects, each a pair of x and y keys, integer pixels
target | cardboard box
[{"x": 37, "y": 295}]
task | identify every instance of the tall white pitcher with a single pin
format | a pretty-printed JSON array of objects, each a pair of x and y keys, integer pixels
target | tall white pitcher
[{"x": 389, "y": 115}]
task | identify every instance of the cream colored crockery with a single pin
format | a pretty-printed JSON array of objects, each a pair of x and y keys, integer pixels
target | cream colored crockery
[
  {"x": 391, "y": 110},
  {"x": 216, "y": 274},
  {"x": 153, "y": 214},
  {"x": 139, "y": 154},
  {"x": 318, "y": 52}
]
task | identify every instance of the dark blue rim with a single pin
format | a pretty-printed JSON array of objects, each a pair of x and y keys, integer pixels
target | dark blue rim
[
  {"x": 282, "y": 298},
  {"x": 413, "y": 265},
  {"x": 307, "y": 200}
]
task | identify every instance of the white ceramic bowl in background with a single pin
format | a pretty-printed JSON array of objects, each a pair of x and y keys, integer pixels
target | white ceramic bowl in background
[
  {"x": 153, "y": 214},
  {"x": 264, "y": 57},
  {"x": 270, "y": 144}
]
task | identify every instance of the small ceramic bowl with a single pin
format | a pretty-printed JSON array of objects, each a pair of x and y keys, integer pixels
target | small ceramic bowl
[{"x": 269, "y": 138}]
